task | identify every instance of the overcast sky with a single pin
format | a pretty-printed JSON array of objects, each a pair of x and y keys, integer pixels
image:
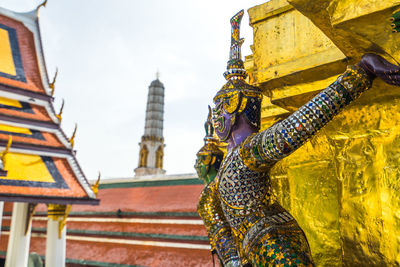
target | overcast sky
[{"x": 108, "y": 52}]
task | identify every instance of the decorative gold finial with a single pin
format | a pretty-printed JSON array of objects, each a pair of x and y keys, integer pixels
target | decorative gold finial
[
  {"x": 5, "y": 152},
  {"x": 95, "y": 187},
  {"x": 71, "y": 140},
  {"x": 52, "y": 84},
  {"x": 60, "y": 112},
  {"x": 39, "y": 6}
]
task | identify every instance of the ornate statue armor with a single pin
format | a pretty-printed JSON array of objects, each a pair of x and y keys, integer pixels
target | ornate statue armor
[{"x": 244, "y": 224}]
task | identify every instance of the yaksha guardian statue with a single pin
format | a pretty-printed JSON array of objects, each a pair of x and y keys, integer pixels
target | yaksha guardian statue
[
  {"x": 245, "y": 226},
  {"x": 209, "y": 157}
]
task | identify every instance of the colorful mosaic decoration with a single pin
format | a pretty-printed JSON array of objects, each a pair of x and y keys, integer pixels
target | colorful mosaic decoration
[
  {"x": 244, "y": 223},
  {"x": 395, "y": 21}
]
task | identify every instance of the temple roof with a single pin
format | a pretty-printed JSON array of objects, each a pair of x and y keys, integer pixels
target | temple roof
[{"x": 40, "y": 165}]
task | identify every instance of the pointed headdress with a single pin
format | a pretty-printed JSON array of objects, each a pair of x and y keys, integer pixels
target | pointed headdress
[{"x": 237, "y": 94}]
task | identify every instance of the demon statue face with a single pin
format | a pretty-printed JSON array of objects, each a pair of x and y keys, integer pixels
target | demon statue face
[{"x": 223, "y": 121}]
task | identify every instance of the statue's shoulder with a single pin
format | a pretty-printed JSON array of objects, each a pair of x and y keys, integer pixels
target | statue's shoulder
[{"x": 251, "y": 151}]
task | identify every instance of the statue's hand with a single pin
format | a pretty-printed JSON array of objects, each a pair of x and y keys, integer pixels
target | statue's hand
[{"x": 377, "y": 66}]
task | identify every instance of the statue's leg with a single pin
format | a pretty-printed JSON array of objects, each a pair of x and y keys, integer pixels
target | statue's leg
[
  {"x": 273, "y": 238},
  {"x": 282, "y": 247}
]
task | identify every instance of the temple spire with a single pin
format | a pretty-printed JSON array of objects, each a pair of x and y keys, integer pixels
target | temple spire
[{"x": 152, "y": 144}]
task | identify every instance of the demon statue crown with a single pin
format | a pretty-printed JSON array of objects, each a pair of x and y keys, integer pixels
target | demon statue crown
[{"x": 237, "y": 96}]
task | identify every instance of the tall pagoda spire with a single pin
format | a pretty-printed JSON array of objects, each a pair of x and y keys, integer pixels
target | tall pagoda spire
[{"x": 152, "y": 144}]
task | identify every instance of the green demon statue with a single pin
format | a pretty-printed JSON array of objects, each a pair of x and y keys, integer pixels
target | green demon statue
[{"x": 209, "y": 157}]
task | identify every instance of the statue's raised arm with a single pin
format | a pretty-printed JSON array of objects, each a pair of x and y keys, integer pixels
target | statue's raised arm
[{"x": 283, "y": 138}]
